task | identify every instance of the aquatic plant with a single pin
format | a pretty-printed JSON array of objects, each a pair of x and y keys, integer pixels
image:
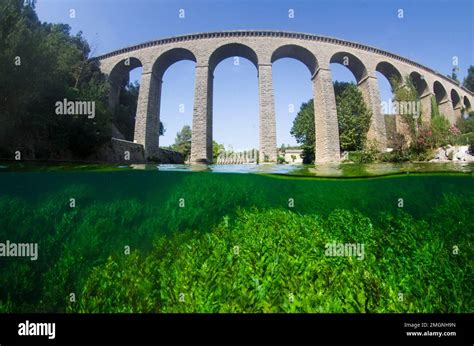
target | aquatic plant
[
  {"x": 274, "y": 261},
  {"x": 238, "y": 245}
]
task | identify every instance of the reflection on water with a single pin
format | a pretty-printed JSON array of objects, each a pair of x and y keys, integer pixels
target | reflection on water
[
  {"x": 328, "y": 170},
  {"x": 320, "y": 170}
]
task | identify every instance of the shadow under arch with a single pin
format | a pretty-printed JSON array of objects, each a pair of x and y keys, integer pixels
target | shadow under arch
[
  {"x": 420, "y": 83},
  {"x": 455, "y": 98},
  {"x": 296, "y": 52},
  {"x": 120, "y": 75},
  {"x": 440, "y": 92},
  {"x": 122, "y": 124},
  {"x": 466, "y": 102},
  {"x": 125, "y": 66},
  {"x": 170, "y": 57},
  {"x": 390, "y": 72},
  {"x": 232, "y": 50},
  {"x": 353, "y": 63}
]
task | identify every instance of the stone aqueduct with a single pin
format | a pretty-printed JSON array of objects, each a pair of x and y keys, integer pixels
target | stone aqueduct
[{"x": 263, "y": 48}]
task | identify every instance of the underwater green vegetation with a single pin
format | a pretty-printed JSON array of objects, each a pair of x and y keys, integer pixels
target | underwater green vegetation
[{"x": 208, "y": 242}]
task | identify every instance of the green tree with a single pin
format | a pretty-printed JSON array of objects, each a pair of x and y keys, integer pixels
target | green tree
[
  {"x": 182, "y": 142},
  {"x": 454, "y": 75},
  {"x": 440, "y": 130},
  {"x": 434, "y": 108},
  {"x": 469, "y": 80},
  {"x": 217, "y": 149},
  {"x": 353, "y": 119},
  {"x": 406, "y": 94},
  {"x": 124, "y": 116},
  {"x": 466, "y": 125},
  {"x": 41, "y": 64},
  {"x": 303, "y": 130}
]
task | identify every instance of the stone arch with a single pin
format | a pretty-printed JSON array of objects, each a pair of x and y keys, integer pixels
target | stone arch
[
  {"x": 225, "y": 45},
  {"x": 162, "y": 63},
  {"x": 119, "y": 76},
  {"x": 455, "y": 98},
  {"x": 207, "y": 112},
  {"x": 232, "y": 50},
  {"x": 390, "y": 72},
  {"x": 353, "y": 63},
  {"x": 147, "y": 128},
  {"x": 124, "y": 66},
  {"x": 388, "y": 79},
  {"x": 440, "y": 92},
  {"x": 367, "y": 84},
  {"x": 296, "y": 52},
  {"x": 467, "y": 103},
  {"x": 170, "y": 57},
  {"x": 300, "y": 56},
  {"x": 420, "y": 83}
]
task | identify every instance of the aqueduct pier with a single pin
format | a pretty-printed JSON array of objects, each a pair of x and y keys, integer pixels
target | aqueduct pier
[{"x": 263, "y": 48}]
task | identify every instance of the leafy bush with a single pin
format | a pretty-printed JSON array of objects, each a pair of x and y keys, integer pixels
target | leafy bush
[
  {"x": 440, "y": 131},
  {"x": 465, "y": 139},
  {"x": 424, "y": 139},
  {"x": 368, "y": 154},
  {"x": 454, "y": 134},
  {"x": 405, "y": 91},
  {"x": 399, "y": 151},
  {"x": 466, "y": 125}
]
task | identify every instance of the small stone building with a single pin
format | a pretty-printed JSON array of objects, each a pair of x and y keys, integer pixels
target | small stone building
[{"x": 292, "y": 156}]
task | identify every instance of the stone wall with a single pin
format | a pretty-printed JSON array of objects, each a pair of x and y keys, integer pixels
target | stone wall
[
  {"x": 169, "y": 156},
  {"x": 119, "y": 150}
]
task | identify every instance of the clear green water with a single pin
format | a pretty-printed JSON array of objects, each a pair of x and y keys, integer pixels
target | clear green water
[{"x": 202, "y": 240}]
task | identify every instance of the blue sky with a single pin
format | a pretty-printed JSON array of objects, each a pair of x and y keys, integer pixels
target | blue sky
[{"x": 431, "y": 33}]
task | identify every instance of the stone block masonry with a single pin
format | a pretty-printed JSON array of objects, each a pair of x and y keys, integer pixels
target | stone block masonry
[{"x": 263, "y": 48}]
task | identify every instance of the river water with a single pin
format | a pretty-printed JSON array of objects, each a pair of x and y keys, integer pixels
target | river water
[{"x": 100, "y": 231}]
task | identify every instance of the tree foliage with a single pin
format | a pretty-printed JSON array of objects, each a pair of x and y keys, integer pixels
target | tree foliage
[
  {"x": 434, "y": 107},
  {"x": 124, "y": 115},
  {"x": 466, "y": 125},
  {"x": 42, "y": 64},
  {"x": 469, "y": 80},
  {"x": 439, "y": 131},
  {"x": 182, "y": 142},
  {"x": 353, "y": 119},
  {"x": 217, "y": 149},
  {"x": 304, "y": 130},
  {"x": 454, "y": 75},
  {"x": 407, "y": 93}
]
